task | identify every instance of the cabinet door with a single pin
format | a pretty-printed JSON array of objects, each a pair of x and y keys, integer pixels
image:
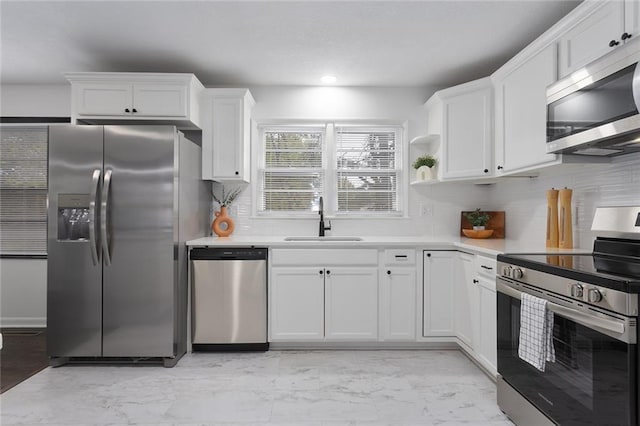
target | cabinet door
[
  {"x": 486, "y": 349},
  {"x": 437, "y": 293},
  {"x": 522, "y": 113},
  {"x": 297, "y": 304},
  {"x": 465, "y": 298},
  {"x": 351, "y": 307},
  {"x": 227, "y": 137},
  {"x": 589, "y": 39},
  {"x": 160, "y": 100},
  {"x": 632, "y": 17},
  {"x": 467, "y": 135},
  {"x": 398, "y": 304},
  {"x": 103, "y": 99}
]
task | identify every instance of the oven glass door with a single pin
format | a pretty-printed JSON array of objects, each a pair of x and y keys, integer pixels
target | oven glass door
[
  {"x": 604, "y": 101},
  {"x": 592, "y": 381}
]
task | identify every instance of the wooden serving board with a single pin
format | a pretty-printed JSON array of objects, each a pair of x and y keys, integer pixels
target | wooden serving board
[{"x": 496, "y": 222}]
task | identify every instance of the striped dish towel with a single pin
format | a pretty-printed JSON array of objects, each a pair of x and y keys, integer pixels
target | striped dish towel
[{"x": 536, "y": 332}]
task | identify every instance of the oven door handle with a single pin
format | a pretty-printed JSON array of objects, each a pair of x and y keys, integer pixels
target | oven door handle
[{"x": 609, "y": 325}]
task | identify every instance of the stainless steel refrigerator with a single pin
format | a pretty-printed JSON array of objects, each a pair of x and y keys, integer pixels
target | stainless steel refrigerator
[{"x": 122, "y": 202}]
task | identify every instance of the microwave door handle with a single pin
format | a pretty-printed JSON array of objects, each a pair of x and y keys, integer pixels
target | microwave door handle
[
  {"x": 636, "y": 86},
  {"x": 611, "y": 326},
  {"x": 104, "y": 210},
  {"x": 94, "y": 237}
]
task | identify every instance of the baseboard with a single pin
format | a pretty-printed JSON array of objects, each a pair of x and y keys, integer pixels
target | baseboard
[
  {"x": 368, "y": 346},
  {"x": 23, "y": 322}
]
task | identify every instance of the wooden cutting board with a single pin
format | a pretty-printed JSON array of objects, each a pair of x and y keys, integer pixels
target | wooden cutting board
[{"x": 496, "y": 222}]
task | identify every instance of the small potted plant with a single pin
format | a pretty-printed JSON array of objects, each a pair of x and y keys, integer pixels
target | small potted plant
[
  {"x": 478, "y": 219},
  {"x": 424, "y": 167}
]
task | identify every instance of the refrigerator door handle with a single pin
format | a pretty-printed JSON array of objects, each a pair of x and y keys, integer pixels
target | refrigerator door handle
[
  {"x": 104, "y": 208},
  {"x": 93, "y": 230}
]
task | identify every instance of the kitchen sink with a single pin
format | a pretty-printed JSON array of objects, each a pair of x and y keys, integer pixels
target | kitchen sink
[{"x": 326, "y": 238}]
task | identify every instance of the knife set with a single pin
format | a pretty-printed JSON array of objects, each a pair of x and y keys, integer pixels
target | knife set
[{"x": 559, "y": 221}]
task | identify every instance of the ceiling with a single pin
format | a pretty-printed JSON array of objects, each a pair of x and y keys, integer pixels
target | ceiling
[{"x": 243, "y": 43}]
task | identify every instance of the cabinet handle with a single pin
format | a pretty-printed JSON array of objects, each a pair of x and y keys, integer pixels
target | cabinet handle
[
  {"x": 625, "y": 36},
  {"x": 320, "y": 272},
  {"x": 237, "y": 173},
  {"x": 428, "y": 254},
  {"x": 613, "y": 43},
  {"x": 486, "y": 170},
  {"x": 476, "y": 281},
  {"x": 388, "y": 272},
  {"x": 134, "y": 110},
  {"x": 328, "y": 272},
  {"x": 127, "y": 110},
  {"x": 500, "y": 167},
  {"x": 486, "y": 267}
]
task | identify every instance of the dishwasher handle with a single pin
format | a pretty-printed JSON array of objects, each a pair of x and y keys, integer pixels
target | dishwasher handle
[{"x": 236, "y": 253}]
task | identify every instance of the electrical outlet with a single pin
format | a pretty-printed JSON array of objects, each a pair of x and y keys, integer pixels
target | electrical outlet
[{"x": 426, "y": 210}]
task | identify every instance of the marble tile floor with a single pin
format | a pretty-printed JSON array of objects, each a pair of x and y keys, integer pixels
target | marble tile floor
[{"x": 314, "y": 388}]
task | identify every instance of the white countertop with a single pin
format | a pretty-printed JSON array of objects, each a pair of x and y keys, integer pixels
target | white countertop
[{"x": 490, "y": 247}]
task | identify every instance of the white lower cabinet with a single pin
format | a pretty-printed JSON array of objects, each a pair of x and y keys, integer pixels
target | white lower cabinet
[
  {"x": 351, "y": 303},
  {"x": 486, "y": 347},
  {"x": 297, "y": 303},
  {"x": 398, "y": 303},
  {"x": 465, "y": 298},
  {"x": 325, "y": 299},
  {"x": 437, "y": 293}
]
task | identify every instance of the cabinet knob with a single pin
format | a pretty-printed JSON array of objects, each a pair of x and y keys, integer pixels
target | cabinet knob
[
  {"x": 237, "y": 173},
  {"x": 388, "y": 272},
  {"x": 428, "y": 254},
  {"x": 613, "y": 43},
  {"x": 500, "y": 167},
  {"x": 134, "y": 110},
  {"x": 486, "y": 170},
  {"x": 476, "y": 281},
  {"x": 321, "y": 272},
  {"x": 328, "y": 272},
  {"x": 625, "y": 36},
  {"x": 127, "y": 110}
]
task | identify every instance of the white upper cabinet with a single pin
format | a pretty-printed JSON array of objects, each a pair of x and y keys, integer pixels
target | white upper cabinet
[
  {"x": 466, "y": 114},
  {"x": 226, "y": 134},
  {"x": 604, "y": 29},
  {"x": 121, "y": 97},
  {"x": 521, "y": 112}
]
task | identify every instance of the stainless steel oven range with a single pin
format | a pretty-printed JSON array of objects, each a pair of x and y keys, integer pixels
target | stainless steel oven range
[{"x": 594, "y": 379}]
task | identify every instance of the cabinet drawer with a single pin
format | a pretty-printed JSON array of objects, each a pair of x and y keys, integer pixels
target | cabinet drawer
[
  {"x": 487, "y": 266},
  {"x": 323, "y": 257},
  {"x": 399, "y": 257}
]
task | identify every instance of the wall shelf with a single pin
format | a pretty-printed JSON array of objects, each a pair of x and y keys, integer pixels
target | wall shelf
[
  {"x": 424, "y": 182},
  {"x": 426, "y": 141}
]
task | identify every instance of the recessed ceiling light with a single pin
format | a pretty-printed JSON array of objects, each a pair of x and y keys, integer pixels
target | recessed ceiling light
[{"x": 328, "y": 79}]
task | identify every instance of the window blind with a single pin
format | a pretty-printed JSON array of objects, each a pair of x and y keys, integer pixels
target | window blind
[
  {"x": 23, "y": 189},
  {"x": 367, "y": 170},
  {"x": 292, "y": 175}
]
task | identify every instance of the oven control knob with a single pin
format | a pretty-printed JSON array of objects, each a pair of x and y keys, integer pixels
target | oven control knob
[
  {"x": 517, "y": 273},
  {"x": 506, "y": 271},
  {"x": 577, "y": 291},
  {"x": 595, "y": 295}
]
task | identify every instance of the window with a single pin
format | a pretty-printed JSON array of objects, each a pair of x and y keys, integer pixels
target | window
[
  {"x": 23, "y": 190},
  {"x": 357, "y": 169}
]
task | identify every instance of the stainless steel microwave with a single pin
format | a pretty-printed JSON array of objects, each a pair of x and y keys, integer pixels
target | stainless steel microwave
[{"x": 595, "y": 111}]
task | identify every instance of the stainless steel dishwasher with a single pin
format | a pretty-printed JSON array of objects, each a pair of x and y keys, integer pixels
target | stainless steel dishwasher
[{"x": 229, "y": 299}]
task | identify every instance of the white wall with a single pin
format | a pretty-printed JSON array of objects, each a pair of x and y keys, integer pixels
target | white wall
[
  {"x": 358, "y": 103},
  {"x": 23, "y": 292},
  {"x": 525, "y": 203},
  {"x": 44, "y": 100}
]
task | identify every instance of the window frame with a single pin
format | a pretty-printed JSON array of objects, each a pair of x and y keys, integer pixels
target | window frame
[{"x": 330, "y": 190}]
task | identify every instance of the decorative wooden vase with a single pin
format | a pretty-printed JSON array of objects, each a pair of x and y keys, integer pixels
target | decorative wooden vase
[
  {"x": 222, "y": 219},
  {"x": 552, "y": 218},
  {"x": 565, "y": 239}
]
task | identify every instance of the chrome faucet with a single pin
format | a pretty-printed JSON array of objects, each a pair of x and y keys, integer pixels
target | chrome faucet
[{"x": 322, "y": 225}]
